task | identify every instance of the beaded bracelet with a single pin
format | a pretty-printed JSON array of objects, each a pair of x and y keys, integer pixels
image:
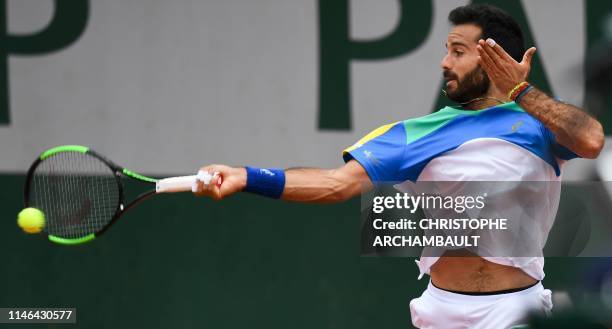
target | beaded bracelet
[
  {"x": 518, "y": 89},
  {"x": 520, "y": 96}
]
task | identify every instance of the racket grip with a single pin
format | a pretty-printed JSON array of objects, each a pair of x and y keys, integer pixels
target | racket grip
[{"x": 175, "y": 184}]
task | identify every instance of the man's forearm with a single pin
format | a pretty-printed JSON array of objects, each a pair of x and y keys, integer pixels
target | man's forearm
[
  {"x": 315, "y": 185},
  {"x": 573, "y": 128}
]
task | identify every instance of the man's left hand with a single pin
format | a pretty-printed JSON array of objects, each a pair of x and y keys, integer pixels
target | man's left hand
[{"x": 503, "y": 71}]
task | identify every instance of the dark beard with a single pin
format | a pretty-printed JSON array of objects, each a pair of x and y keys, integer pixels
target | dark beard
[{"x": 475, "y": 84}]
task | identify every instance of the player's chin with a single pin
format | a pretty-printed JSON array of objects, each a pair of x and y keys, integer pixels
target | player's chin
[{"x": 454, "y": 94}]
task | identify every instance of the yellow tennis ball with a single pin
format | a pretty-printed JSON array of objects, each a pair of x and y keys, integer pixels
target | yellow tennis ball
[{"x": 31, "y": 220}]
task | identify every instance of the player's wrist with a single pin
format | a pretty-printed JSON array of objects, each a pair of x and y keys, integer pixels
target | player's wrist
[
  {"x": 519, "y": 90},
  {"x": 242, "y": 178},
  {"x": 268, "y": 182}
]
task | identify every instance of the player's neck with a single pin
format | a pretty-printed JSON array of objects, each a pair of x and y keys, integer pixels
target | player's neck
[
  {"x": 481, "y": 104},
  {"x": 492, "y": 98}
]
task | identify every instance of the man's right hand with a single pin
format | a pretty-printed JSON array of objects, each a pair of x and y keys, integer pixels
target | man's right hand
[{"x": 227, "y": 181}]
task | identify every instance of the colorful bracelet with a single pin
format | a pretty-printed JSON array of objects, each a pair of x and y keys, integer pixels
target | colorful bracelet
[
  {"x": 520, "y": 96},
  {"x": 518, "y": 89},
  {"x": 265, "y": 182},
  {"x": 514, "y": 89}
]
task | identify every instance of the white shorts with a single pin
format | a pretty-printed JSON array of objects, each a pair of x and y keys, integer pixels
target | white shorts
[{"x": 438, "y": 308}]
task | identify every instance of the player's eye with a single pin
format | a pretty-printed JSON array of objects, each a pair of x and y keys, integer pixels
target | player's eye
[{"x": 458, "y": 53}]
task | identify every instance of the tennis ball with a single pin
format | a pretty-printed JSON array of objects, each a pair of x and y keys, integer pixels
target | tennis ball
[{"x": 31, "y": 220}]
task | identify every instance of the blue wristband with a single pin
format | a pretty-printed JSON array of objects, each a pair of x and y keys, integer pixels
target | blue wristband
[
  {"x": 518, "y": 98},
  {"x": 266, "y": 182}
]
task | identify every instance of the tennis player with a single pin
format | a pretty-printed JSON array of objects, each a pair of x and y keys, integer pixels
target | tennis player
[{"x": 504, "y": 128}]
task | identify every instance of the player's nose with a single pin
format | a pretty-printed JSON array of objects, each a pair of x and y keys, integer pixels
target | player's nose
[{"x": 446, "y": 63}]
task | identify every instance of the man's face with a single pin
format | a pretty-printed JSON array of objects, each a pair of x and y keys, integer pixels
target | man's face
[{"x": 465, "y": 79}]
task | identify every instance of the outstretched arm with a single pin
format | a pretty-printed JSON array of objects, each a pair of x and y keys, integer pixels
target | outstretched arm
[
  {"x": 310, "y": 185},
  {"x": 573, "y": 128}
]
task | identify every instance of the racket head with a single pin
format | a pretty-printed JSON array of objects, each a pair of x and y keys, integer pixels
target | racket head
[{"x": 78, "y": 190}]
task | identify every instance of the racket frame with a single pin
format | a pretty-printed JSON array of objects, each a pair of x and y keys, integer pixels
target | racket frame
[{"x": 118, "y": 173}]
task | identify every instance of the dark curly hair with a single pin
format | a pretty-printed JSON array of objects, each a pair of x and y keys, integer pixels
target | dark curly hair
[{"x": 495, "y": 24}]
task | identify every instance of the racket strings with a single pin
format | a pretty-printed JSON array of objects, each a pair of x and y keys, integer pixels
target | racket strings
[{"x": 78, "y": 193}]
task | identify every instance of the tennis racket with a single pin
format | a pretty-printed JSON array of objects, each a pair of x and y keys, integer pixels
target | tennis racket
[{"x": 82, "y": 194}]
